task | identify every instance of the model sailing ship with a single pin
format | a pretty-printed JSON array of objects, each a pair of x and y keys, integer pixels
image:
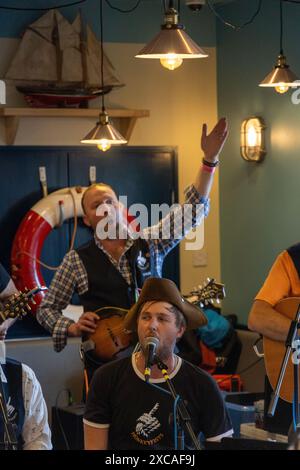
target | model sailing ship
[{"x": 58, "y": 64}]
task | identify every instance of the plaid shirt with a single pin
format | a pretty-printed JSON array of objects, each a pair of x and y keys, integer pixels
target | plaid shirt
[{"x": 72, "y": 277}]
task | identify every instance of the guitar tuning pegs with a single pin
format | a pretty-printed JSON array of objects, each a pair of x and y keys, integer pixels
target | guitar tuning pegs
[{"x": 33, "y": 301}]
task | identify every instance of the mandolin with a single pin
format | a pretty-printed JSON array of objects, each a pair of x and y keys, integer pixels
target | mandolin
[
  {"x": 274, "y": 352},
  {"x": 110, "y": 337},
  {"x": 18, "y": 304}
]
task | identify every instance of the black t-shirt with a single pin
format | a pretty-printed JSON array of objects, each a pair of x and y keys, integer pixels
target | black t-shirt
[
  {"x": 140, "y": 416},
  {"x": 4, "y": 278}
]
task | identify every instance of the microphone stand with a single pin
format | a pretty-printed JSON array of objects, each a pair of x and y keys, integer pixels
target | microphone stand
[
  {"x": 289, "y": 347},
  {"x": 183, "y": 416},
  {"x": 12, "y": 443}
]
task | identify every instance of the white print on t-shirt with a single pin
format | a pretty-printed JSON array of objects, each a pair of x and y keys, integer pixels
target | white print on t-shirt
[
  {"x": 11, "y": 411},
  {"x": 147, "y": 423}
]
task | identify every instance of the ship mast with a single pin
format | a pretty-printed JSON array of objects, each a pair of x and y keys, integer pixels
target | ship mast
[
  {"x": 59, "y": 55},
  {"x": 83, "y": 50}
]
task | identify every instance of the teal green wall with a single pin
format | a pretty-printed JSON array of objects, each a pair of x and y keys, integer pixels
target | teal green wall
[
  {"x": 259, "y": 203},
  {"x": 140, "y": 26}
]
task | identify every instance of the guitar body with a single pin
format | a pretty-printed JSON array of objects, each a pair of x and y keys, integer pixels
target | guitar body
[
  {"x": 110, "y": 336},
  {"x": 274, "y": 352}
]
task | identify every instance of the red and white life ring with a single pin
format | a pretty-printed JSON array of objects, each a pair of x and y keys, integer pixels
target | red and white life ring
[{"x": 49, "y": 212}]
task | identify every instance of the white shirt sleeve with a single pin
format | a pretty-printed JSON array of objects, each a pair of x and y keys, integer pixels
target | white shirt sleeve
[{"x": 36, "y": 432}]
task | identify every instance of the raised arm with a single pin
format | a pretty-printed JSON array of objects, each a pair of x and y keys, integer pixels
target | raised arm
[{"x": 211, "y": 145}]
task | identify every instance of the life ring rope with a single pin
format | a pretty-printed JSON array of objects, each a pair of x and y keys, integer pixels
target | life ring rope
[{"x": 47, "y": 266}]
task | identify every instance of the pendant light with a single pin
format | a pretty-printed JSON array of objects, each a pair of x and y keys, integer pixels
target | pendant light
[
  {"x": 171, "y": 45},
  {"x": 104, "y": 134},
  {"x": 281, "y": 77}
]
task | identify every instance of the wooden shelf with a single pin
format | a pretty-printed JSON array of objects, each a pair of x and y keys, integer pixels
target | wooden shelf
[{"x": 126, "y": 118}]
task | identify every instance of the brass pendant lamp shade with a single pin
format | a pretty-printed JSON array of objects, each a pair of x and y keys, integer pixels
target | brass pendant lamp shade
[
  {"x": 172, "y": 44},
  {"x": 104, "y": 134},
  {"x": 281, "y": 77},
  {"x": 172, "y": 40}
]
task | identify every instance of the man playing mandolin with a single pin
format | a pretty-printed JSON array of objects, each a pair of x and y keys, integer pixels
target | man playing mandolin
[
  {"x": 26, "y": 407},
  {"x": 7, "y": 289},
  {"x": 109, "y": 272},
  {"x": 271, "y": 316}
]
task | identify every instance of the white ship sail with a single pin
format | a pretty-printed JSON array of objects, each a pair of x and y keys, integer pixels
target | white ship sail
[{"x": 53, "y": 53}]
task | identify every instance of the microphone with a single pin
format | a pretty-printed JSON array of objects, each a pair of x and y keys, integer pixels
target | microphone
[{"x": 151, "y": 344}]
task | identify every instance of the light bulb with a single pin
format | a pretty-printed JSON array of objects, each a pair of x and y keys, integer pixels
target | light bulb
[
  {"x": 251, "y": 136},
  {"x": 281, "y": 88},
  {"x": 171, "y": 61},
  {"x": 104, "y": 145}
]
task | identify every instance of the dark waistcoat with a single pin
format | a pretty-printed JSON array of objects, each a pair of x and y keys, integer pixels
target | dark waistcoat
[{"x": 13, "y": 394}]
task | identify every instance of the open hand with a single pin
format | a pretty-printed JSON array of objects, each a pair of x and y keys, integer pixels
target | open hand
[{"x": 213, "y": 143}]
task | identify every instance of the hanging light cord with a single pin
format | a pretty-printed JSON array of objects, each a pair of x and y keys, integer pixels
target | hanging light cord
[
  {"x": 78, "y": 2},
  {"x": 113, "y": 7},
  {"x": 281, "y": 28},
  {"x": 171, "y": 5},
  {"x": 102, "y": 61},
  {"x": 120, "y": 9},
  {"x": 236, "y": 28}
]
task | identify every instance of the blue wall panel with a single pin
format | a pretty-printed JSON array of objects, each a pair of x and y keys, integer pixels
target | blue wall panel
[{"x": 259, "y": 203}]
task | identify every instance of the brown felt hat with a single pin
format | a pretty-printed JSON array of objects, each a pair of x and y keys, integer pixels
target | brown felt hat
[{"x": 165, "y": 290}]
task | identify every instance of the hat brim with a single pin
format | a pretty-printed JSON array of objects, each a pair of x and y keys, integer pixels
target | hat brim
[{"x": 194, "y": 316}]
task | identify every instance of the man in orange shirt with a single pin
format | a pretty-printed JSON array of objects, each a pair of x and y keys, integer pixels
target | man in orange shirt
[{"x": 282, "y": 281}]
